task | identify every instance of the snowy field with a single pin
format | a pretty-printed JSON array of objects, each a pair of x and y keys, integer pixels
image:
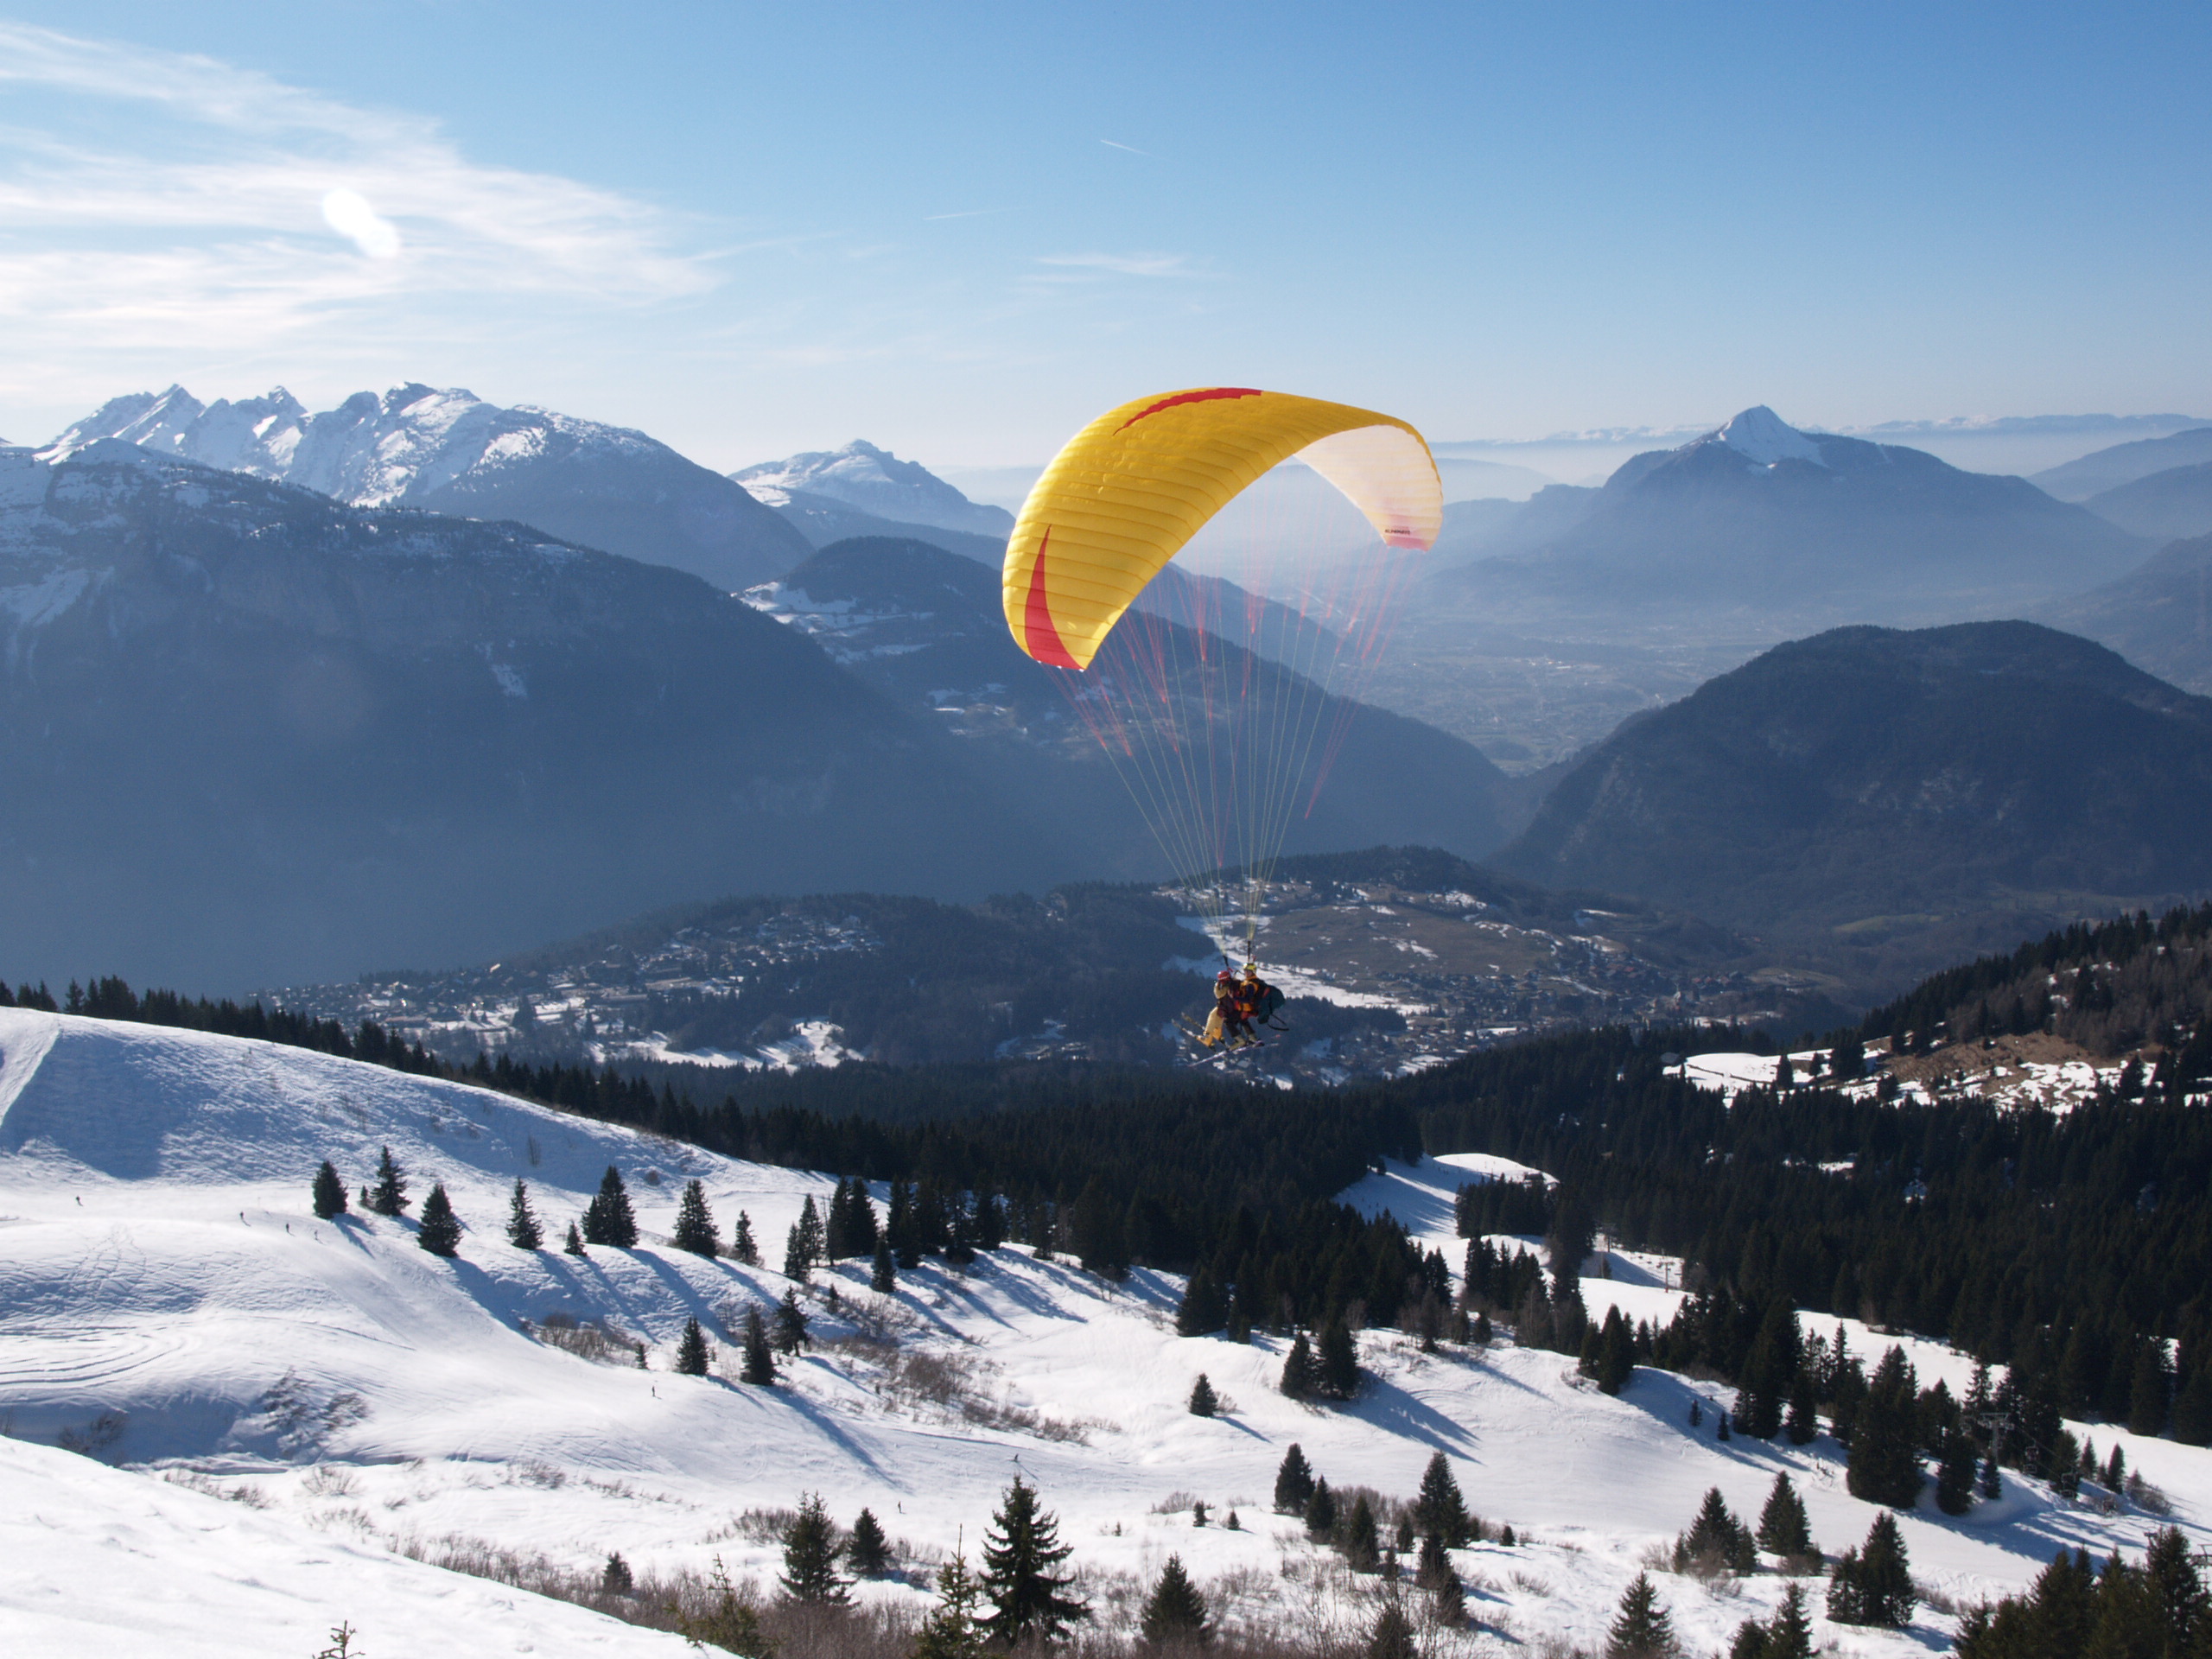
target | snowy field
[{"x": 170, "y": 1305}]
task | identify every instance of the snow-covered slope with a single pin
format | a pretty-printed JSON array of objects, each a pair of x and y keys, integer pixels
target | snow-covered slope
[
  {"x": 451, "y": 451},
  {"x": 167, "y": 1301},
  {"x": 97, "y": 1561},
  {"x": 876, "y": 481}
]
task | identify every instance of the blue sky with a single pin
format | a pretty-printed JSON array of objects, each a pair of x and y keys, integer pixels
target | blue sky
[{"x": 960, "y": 231}]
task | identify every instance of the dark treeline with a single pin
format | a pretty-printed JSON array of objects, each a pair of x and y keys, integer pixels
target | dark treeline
[
  {"x": 1119, "y": 1167},
  {"x": 110, "y": 998},
  {"x": 2070, "y": 1247},
  {"x": 2109, "y": 986}
]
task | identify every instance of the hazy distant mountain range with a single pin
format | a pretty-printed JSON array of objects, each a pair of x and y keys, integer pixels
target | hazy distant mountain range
[
  {"x": 2123, "y": 463},
  {"x": 251, "y": 732},
  {"x": 2158, "y": 615},
  {"x": 604, "y": 486},
  {"x": 925, "y": 626},
  {"x": 1761, "y": 526}
]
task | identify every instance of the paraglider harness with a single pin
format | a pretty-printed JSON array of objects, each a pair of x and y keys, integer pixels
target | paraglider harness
[{"x": 1238, "y": 1006}]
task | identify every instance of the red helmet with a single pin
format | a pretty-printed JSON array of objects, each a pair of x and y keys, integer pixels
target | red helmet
[{"x": 1223, "y": 974}]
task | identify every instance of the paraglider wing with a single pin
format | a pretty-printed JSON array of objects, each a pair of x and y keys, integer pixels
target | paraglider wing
[{"x": 1131, "y": 488}]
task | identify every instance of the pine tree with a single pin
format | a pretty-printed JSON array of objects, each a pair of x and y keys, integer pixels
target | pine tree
[
  {"x": 615, "y": 1579},
  {"x": 575, "y": 1246},
  {"x": 608, "y": 1219},
  {"x": 742, "y": 1248},
  {"x": 2176, "y": 1592},
  {"x": 1363, "y": 1544},
  {"x": 1321, "y": 1511},
  {"x": 523, "y": 1230},
  {"x": 1294, "y": 1483},
  {"x": 1784, "y": 1529},
  {"x": 759, "y": 1367},
  {"x": 1643, "y": 1629},
  {"x": 1301, "y": 1378},
  {"x": 1872, "y": 1585},
  {"x": 440, "y": 1231},
  {"x": 1448, "y": 1601},
  {"x": 692, "y": 1354},
  {"x": 864, "y": 1233},
  {"x": 882, "y": 1279},
  {"x": 1337, "y": 1362},
  {"x": 1790, "y": 1633},
  {"x": 868, "y": 1552},
  {"x": 1991, "y": 1485},
  {"x": 389, "y": 1196},
  {"x": 790, "y": 1323},
  {"x": 1020, "y": 1553},
  {"x": 804, "y": 1246},
  {"x": 1954, "y": 1474},
  {"x": 729, "y": 1621},
  {"x": 1392, "y": 1637},
  {"x": 1175, "y": 1611},
  {"x": 1204, "y": 1402},
  {"x": 1202, "y": 1309},
  {"x": 1440, "y": 1508},
  {"x": 951, "y": 1631},
  {"x": 1803, "y": 1425},
  {"x": 1769, "y": 1371},
  {"x": 1716, "y": 1540},
  {"x": 1885, "y": 1466},
  {"x": 329, "y": 1191},
  {"x": 810, "y": 1555},
  {"x": 694, "y": 1223}
]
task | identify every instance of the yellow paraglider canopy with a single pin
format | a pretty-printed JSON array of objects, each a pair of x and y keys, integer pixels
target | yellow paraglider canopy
[{"x": 1125, "y": 495}]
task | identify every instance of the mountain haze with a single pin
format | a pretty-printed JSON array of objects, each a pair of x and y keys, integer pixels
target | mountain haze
[
  {"x": 2123, "y": 463},
  {"x": 252, "y": 734},
  {"x": 2165, "y": 506},
  {"x": 1761, "y": 526},
  {"x": 927, "y": 628},
  {"x": 2158, "y": 615}
]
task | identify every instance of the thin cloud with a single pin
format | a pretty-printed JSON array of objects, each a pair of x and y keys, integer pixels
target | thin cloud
[
  {"x": 1132, "y": 148},
  {"x": 1124, "y": 265},
  {"x": 973, "y": 212},
  {"x": 247, "y": 210}
]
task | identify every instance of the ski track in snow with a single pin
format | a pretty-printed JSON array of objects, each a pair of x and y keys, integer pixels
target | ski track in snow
[{"x": 160, "y": 1266}]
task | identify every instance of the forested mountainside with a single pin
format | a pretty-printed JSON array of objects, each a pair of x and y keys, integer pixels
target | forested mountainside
[
  {"x": 1884, "y": 801},
  {"x": 252, "y": 734},
  {"x": 2075, "y": 1246}
]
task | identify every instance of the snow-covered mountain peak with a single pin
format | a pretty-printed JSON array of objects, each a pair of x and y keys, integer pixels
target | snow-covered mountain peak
[
  {"x": 255, "y": 435},
  {"x": 1759, "y": 435},
  {"x": 876, "y": 480}
]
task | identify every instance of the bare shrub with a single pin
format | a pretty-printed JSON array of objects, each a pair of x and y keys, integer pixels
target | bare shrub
[
  {"x": 304, "y": 1417},
  {"x": 590, "y": 1339},
  {"x": 1176, "y": 1502},
  {"x": 240, "y": 1492},
  {"x": 95, "y": 1436},
  {"x": 328, "y": 1480},
  {"x": 2142, "y": 1494}
]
